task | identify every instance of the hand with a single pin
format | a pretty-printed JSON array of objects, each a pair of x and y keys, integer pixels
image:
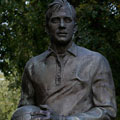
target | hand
[
  {"x": 43, "y": 114},
  {"x": 53, "y": 114},
  {"x": 72, "y": 118},
  {"x": 46, "y": 113}
]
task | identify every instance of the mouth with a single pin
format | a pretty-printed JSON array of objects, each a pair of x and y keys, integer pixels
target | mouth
[{"x": 62, "y": 34}]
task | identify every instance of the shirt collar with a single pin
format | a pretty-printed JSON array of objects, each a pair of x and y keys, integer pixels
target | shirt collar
[{"x": 72, "y": 50}]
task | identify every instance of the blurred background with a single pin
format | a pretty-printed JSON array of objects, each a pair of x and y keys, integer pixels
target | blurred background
[{"x": 22, "y": 35}]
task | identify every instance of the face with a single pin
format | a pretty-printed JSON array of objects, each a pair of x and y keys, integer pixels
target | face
[{"x": 61, "y": 26}]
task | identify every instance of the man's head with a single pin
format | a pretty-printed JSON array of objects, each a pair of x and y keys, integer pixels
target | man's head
[{"x": 61, "y": 21}]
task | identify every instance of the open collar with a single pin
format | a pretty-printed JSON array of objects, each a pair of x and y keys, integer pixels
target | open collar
[{"x": 72, "y": 50}]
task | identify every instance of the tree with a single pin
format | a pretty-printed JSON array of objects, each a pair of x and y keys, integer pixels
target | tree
[
  {"x": 8, "y": 100},
  {"x": 23, "y": 35}
]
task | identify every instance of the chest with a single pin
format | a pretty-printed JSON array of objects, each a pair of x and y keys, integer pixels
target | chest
[{"x": 52, "y": 74}]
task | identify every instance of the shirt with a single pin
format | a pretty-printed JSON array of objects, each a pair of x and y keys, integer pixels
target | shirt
[{"x": 78, "y": 84}]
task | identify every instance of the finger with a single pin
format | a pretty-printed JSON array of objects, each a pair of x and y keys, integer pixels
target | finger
[
  {"x": 41, "y": 112},
  {"x": 40, "y": 118},
  {"x": 36, "y": 119},
  {"x": 47, "y": 117},
  {"x": 44, "y": 107}
]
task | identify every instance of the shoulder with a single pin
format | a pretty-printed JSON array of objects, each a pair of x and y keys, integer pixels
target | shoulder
[
  {"x": 36, "y": 59},
  {"x": 95, "y": 58},
  {"x": 81, "y": 51}
]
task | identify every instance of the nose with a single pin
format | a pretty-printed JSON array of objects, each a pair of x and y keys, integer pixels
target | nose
[{"x": 62, "y": 24}]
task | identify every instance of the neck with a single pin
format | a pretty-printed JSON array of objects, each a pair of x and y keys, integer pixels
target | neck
[{"x": 61, "y": 48}]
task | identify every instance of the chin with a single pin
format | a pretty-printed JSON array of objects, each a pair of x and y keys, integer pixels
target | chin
[{"x": 63, "y": 41}]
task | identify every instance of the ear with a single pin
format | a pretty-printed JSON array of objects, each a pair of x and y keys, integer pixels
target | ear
[{"x": 75, "y": 28}]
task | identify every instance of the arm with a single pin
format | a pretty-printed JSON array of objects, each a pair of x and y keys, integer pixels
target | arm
[
  {"x": 27, "y": 95},
  {"x": 27, "y": 92},
  {"x": 103, "y": 93}
]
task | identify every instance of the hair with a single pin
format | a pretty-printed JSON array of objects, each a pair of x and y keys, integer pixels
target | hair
[{"x": 56, "y": 6}]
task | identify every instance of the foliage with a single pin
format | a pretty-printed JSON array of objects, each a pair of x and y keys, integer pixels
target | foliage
[
  {"x": 8, "y": 100},
  {"x": 22, "y": 34}
]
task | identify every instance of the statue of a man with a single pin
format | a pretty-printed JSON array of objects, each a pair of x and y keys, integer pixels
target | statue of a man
[{"x": 67, "y": 81}]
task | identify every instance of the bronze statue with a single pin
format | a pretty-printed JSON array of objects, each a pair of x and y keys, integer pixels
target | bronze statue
[{"x": 67, "y": 82}]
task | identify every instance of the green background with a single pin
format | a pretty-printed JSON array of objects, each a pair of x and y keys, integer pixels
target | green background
[{"x": 22, "y": 35}]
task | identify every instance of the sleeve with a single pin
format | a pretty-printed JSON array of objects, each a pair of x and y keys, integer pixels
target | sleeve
[
  {"x": 27, "y": 90},
  {"x": 103, "y": 94}
]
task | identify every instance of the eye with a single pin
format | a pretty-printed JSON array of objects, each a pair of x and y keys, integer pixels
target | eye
[
  {"x": 55, "y": 20},
  {"x": 67, "y": 19}
]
